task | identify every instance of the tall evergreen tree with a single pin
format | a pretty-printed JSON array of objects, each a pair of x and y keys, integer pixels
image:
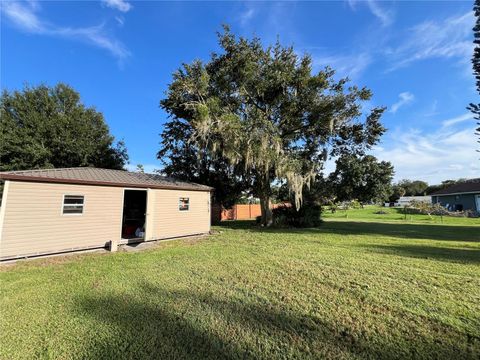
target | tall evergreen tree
[
  {"x": 475, "y": 108},
  {"x": 49, "y": 127}
]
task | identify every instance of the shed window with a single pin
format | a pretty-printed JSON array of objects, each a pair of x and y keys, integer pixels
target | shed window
[
  {"x": 73, "y": 204},
  {"x": 183, "y": 203}
]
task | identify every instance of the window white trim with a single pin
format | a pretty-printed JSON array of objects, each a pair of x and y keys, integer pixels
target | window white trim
[
  {"x": 72, "y": 214},
  {"x": 180, "y": 203}
]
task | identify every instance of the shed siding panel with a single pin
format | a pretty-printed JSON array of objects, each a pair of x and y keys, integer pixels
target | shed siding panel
[
  {"x": 34, "y": 222},
  {"x": 169, "y": 221}
]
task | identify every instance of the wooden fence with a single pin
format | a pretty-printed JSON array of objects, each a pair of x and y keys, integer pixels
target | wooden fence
[{"x": 239, "y": 212}]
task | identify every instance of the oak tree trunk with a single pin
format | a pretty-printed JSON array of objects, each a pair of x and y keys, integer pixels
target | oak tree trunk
[
  {"x": 267, "y": 217},
  {"x": 265, "y": 194}
]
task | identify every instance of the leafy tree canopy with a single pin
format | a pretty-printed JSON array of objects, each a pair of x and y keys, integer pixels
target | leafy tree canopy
[
  {"x": 413, "y": 187},
  {"x": 183, "y": 159},
  {"x": 263, "y": 111},
  {"x": 444, "y": 184},
  {"x": 397, "y": 193},
  {"x": 49, "y": 127},
  {"x": 362, "y": 178}
]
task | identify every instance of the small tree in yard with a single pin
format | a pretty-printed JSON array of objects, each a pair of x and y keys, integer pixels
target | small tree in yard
[
  {"x": 397, "y": 193},
  {"x": 362, "y": 178},
  {"x": 429, "y": 209},
  {"x": 264, "y": 111}
]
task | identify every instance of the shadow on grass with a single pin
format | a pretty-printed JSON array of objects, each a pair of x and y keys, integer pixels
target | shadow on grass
[
  {"x": 186, "y": 324},
  {"x": 407, "y": 231},
  {"x": 471, "y": 256}
]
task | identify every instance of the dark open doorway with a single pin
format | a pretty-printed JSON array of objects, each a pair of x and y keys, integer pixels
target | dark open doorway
[{"x": 134, "y": 210}]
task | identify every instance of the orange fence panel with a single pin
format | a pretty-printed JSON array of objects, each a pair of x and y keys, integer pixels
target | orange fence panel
[{"x": 239, "y": 211}]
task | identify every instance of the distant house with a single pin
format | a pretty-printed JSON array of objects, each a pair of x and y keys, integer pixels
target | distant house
[
  {"x": 459, "y": 197},
  {"x": 407, "y": 200}
]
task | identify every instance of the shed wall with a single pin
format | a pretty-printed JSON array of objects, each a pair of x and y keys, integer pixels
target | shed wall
[
  {"x": 168, "y": 221},
  {"x": 34, "y": 223}
]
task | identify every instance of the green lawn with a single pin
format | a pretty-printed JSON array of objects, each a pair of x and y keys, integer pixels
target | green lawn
[
  {"x": 370, "y": 213},
  {"x": 350, "y": 289}
]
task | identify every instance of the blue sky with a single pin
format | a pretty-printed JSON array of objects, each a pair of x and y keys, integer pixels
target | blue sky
[{"x": 415, "y": 56}]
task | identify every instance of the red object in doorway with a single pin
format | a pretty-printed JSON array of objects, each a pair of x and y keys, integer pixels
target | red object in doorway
[{"x": 129, "y": 231}]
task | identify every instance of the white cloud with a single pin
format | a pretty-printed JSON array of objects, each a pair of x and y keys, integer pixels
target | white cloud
[
  {"x": 246, "y": 16},
  {"x": 121, "y": 5},
  {"x": 385, "y": 16},
  {"x": 96, "y": 36},
  {"x": 120, "y": 20},
  {"x": 457, "y": 119},
  {"x": 276, "y": 21},
  {"x": 433, "y": 157},
  {"x": 450, "y": 38},
  {"x": 345, "y": 65},
  {"x": 25, "y": 17},
  {"x": 405, "y": 99},
  {"x": 433, "y": 109}
]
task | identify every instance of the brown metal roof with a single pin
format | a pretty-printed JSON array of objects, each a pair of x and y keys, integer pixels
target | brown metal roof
[
  {"x": 469, "y": 186},
  {"x": 105, "y": 177}
]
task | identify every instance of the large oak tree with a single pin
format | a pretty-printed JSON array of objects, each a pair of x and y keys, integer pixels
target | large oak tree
[{"x": 265, "y": 111}]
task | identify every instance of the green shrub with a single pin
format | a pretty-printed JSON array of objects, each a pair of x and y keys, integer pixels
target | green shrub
[
  {"x": 355, "y": 204},
  {"x": 309, "y": 215}
]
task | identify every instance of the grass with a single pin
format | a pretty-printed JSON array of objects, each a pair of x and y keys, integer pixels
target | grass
[
  {"x": 349, "y": 289},
  {"x": 370, "y": 213}
]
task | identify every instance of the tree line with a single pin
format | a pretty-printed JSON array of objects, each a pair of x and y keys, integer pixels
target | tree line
[{"x": 407, "y": 187}]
